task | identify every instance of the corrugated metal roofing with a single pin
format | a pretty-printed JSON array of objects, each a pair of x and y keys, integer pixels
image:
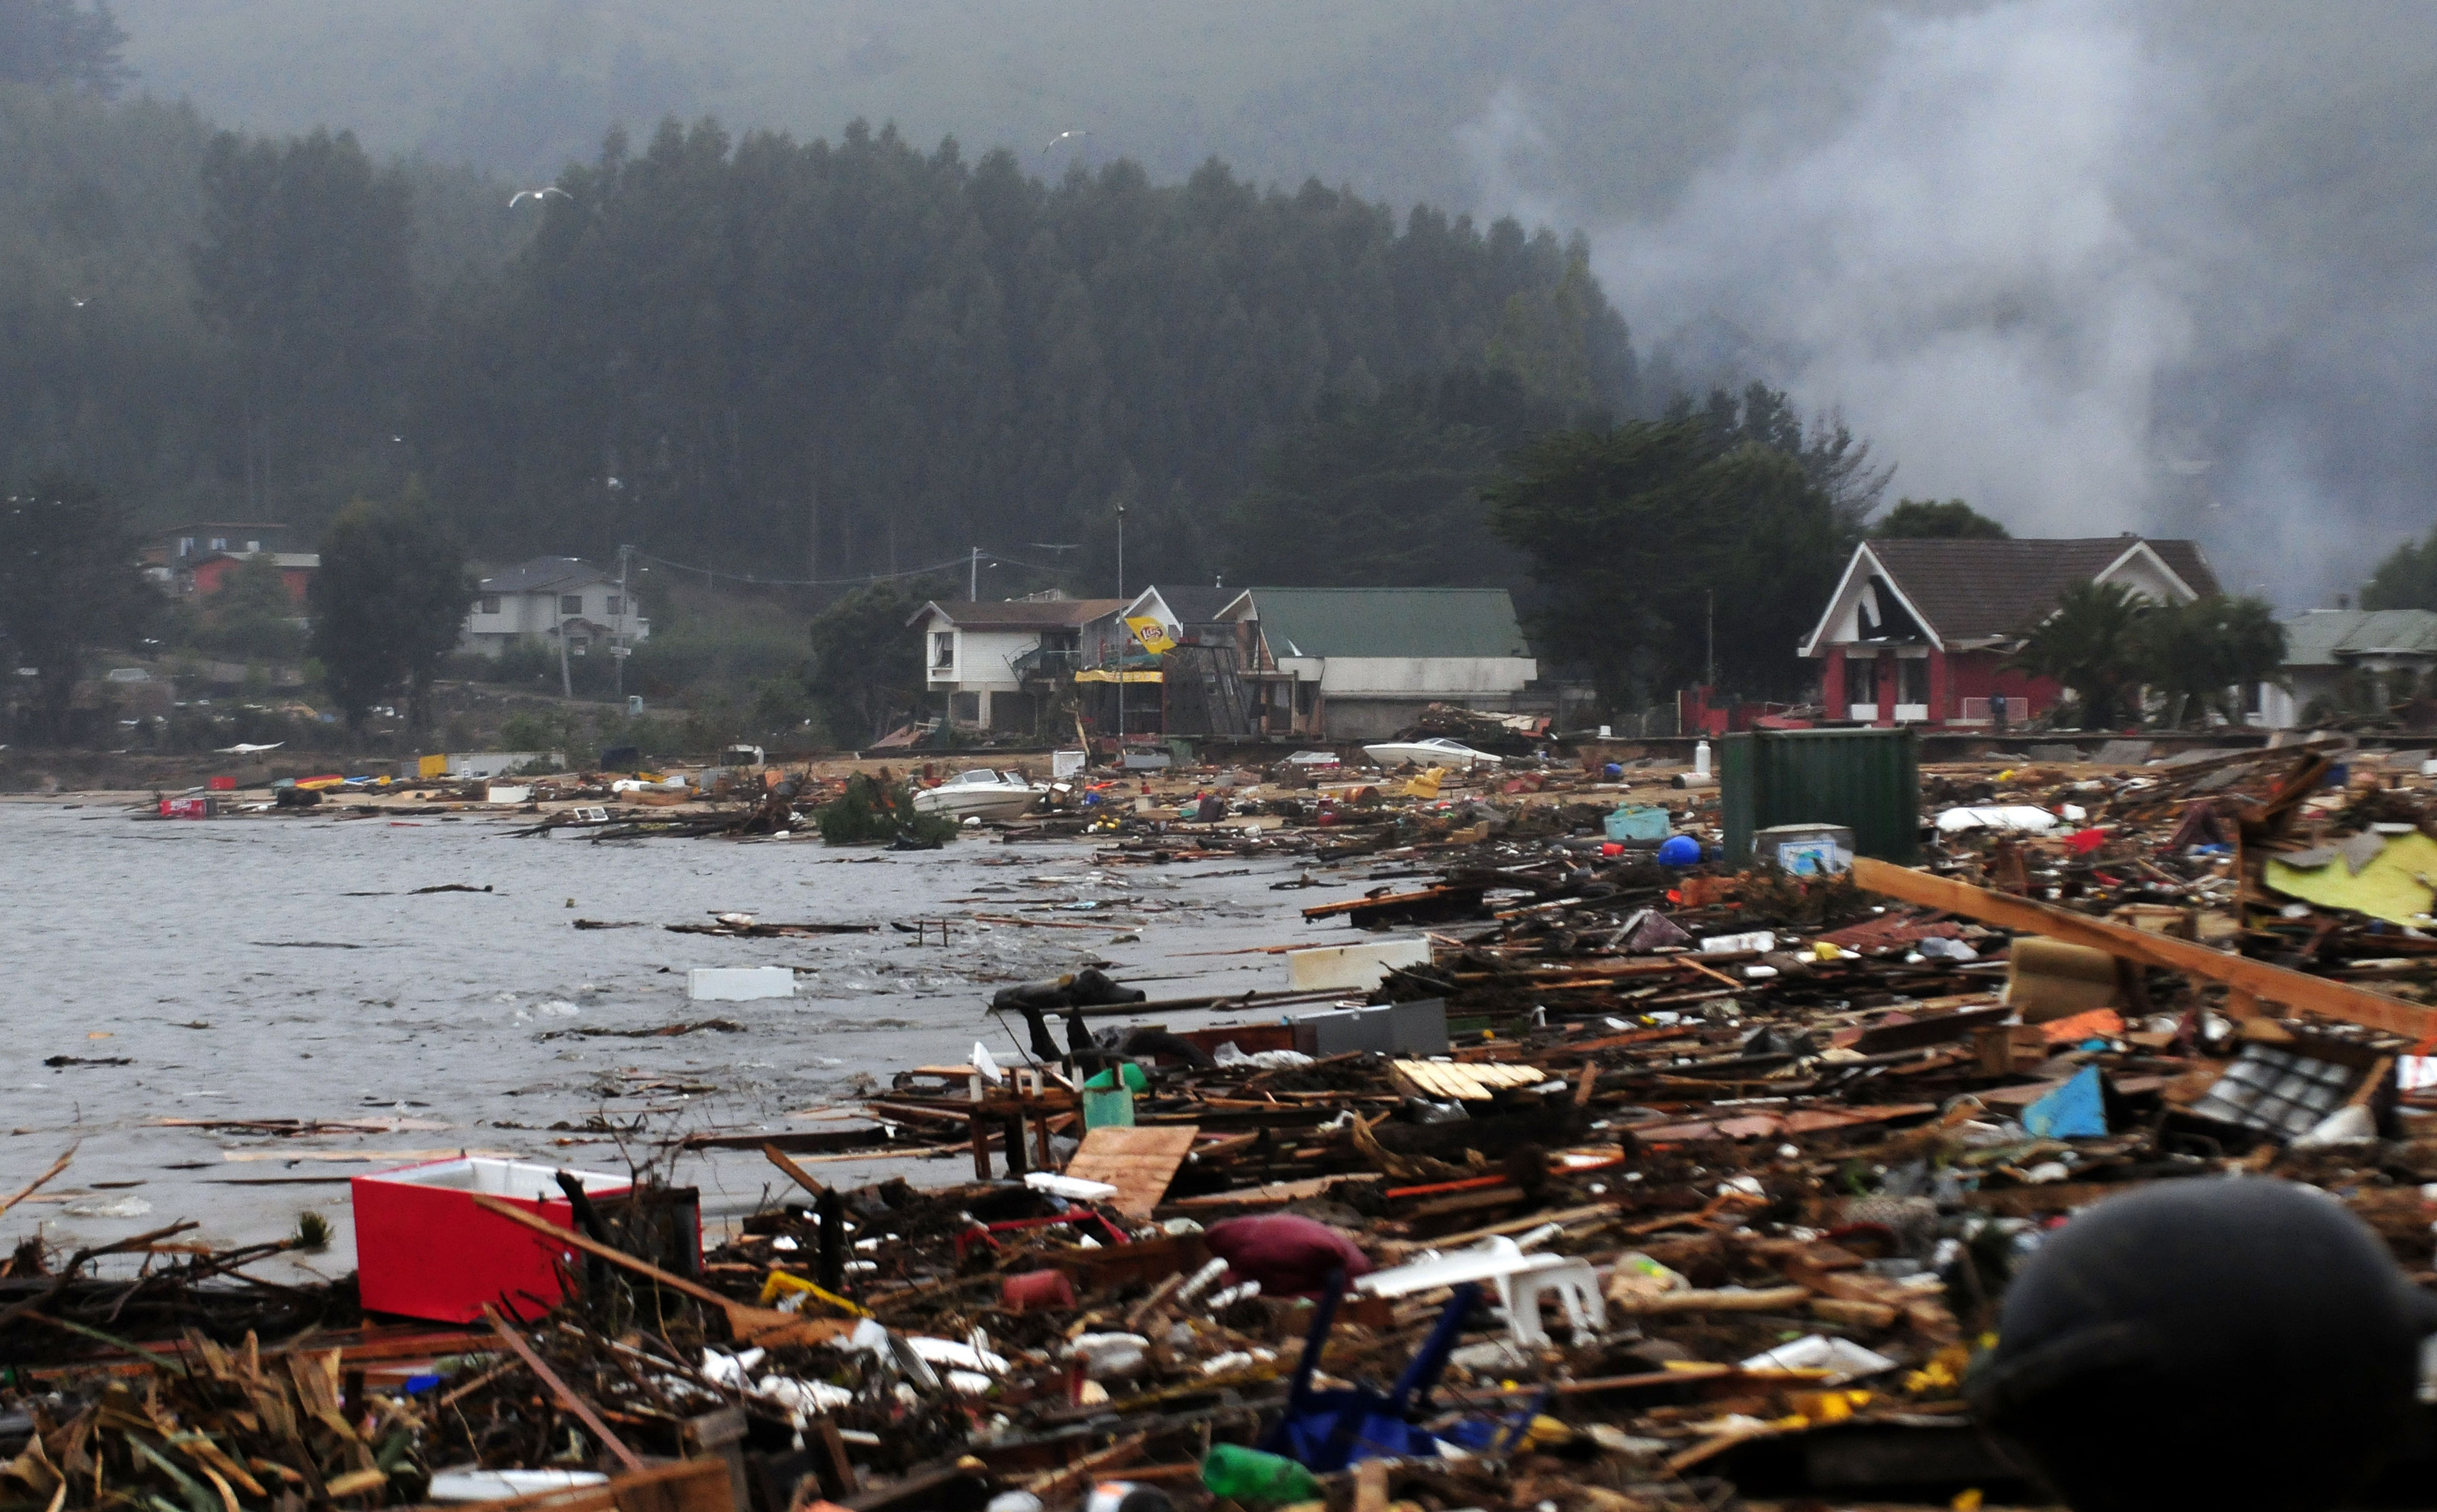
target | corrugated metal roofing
[
  {"x": 2324, "y": 637},
  {"x": 1389, "y": 623}
]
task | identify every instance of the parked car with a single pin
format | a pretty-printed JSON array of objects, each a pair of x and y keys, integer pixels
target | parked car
[{"x": 1436, "y": 751}]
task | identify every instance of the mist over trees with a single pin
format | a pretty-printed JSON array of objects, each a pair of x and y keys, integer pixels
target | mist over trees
[{"x": 801, "y": 359}]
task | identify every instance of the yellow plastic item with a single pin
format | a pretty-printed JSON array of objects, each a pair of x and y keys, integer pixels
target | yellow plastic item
[
  {"x": 1425, "y": 785},
  {"x": 1966, "y": 1501},
  {"x": 782, "y": 1284},
  {"x": 1822, "y": 951},
  {"x": 2389, "y": 888},
  {"x": 432, "y": 766}
]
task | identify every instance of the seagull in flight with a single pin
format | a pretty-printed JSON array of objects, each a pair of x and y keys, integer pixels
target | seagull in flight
[
  {"x": 542, "y": 193},
  {"x": 1060, "y": 138}
]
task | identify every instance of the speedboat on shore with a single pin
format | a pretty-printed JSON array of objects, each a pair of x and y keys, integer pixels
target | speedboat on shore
[{"x": 979, "y": 795}]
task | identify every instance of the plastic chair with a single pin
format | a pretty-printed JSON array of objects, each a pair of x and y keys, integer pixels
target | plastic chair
[{"x": 1326, "y": 1431}]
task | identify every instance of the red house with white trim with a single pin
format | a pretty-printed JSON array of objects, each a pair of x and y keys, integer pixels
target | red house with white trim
[{"x": 1919, "y": 630}]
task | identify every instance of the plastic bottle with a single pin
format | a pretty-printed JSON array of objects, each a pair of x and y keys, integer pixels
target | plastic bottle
[
  {"x": 1256, "y": 1479},
  {"x": 1701, "y": 758}
]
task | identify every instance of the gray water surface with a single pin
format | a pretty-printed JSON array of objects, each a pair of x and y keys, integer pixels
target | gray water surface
[{"x": 232, "y": 966}]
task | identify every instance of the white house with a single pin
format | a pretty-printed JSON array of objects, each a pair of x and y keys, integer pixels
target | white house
[
  {"x": 550, "y": 597},
  {"x": 1360, "y": 663},
  {"x": 978, "y": 655},
  {"x": 2324, "y": 647}
]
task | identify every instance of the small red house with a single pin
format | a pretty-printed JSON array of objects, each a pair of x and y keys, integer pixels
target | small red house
[
  {"x": 1919, "y": 630},
  {"x": 296, "y": 569}
]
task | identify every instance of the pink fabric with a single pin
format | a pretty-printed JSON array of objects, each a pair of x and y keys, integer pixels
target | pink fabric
[{"x": 1290, "y": 1256}]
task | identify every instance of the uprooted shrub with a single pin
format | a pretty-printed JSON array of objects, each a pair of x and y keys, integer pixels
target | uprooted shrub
[{"x": 872, "y": 811}]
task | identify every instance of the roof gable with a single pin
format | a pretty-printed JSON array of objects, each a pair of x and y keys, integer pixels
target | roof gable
[
  {"x": 546, "y": 575},
  {"x": 1384, "y": 622},
  {"x": 1964, "y": 591}
]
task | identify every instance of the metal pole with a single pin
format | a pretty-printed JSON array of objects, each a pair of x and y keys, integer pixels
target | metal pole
[
  {"x": 1122, "y": 633},
  {"x": 618, "y": 637},
  {"x": 566, "y": 680},
  {"x": 973, "y": 576},
  {"x": 1711, "y": 599}
]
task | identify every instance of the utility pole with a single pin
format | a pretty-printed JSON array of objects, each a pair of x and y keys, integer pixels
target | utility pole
[
  {"x": 973, "y": 576},
  {"x": 1122, "y": 634},
  {"x": 618, "y": 637},
  {"x": 1711, "y": 599},
  {"x": 566, "y": 679}
]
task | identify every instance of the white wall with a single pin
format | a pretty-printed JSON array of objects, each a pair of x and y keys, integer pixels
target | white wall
[
  {"x": 1424, "y": 677},
  {"x": 984, "y": 658}
]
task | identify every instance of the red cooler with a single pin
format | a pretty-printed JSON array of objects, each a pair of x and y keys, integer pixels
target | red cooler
[{"x": 424, "y": 1250}]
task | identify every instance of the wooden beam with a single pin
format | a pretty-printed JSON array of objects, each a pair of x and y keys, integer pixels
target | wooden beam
[
  {"x": 2254, "y": 980},
  {"x": 793, "y": 1172},
  {"x": 749, "y": 1324},
  {"x": 558, "y": 1388}
]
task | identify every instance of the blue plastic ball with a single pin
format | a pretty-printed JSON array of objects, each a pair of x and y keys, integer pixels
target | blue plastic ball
[{"x": 1680, "y": 850}]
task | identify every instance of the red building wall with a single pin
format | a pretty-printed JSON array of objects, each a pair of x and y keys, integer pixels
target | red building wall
[{"x": 211, "y": 576}]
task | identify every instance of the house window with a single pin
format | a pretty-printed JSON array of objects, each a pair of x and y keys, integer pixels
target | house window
[
  {"x": 943, "y": 650},
  {"x": 185, "y": 546},
  {"x": 219, "y": 542},
  {"x": 964, "y": 708},
  {"x": 616, "y": 605},
  {"x": 1861, "y": 680},
  {"x": 490, "y": 604},
  {"x": 1912, "y": 679},
  {"x": 570, "y": 604}
]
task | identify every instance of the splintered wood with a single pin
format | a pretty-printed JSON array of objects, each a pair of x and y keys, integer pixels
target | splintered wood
[
  {"x": 1472, "y": 1083},
  {"x": 1139, "y": 1162}
]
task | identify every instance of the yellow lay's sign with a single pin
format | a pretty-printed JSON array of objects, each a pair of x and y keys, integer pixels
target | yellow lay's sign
[{"x": 1152, "y": 635}]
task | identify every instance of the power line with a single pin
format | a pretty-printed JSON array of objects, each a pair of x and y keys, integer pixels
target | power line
[{"x": 840, "y": 583}]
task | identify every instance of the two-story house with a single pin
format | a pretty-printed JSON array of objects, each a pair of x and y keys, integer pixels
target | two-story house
[
  {"x": 548, "y": 597},
  {"x": 1919, "y": 632},
  {"x": 979, "y": 657}
]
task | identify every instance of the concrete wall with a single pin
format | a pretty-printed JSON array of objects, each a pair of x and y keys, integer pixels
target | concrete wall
[{"x": 1447, "y": 679}]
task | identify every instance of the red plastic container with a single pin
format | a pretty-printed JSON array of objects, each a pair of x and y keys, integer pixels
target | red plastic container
[
  {"x": 424, "y": 1250},
  {"x": 1026, "y": 1289},
  {"x": 221, "y": 784}
]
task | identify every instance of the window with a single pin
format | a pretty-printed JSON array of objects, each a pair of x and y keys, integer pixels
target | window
[
  {"x": 570, "y": 604},
  {"x": 617, "y": 606},
  {"x": 943, "y": 650},
  {"x": 1861, "y": 679},
  {"x": 219, "y": 542},
  {"x": 254, "y": 546},
  {"x": 490, "y": 604},
  {"x": 185, "y": 546},
  {"x": 1912, "y": 679}
]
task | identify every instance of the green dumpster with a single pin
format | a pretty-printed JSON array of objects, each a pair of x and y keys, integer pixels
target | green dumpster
[{"x": 1866, "y": 780}]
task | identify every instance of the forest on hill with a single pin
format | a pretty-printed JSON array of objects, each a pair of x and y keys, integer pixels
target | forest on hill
[{"x": 805, "y": 359}]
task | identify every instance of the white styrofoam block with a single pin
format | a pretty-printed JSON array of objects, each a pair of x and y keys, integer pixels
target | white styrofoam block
[
  {"x": 739, "y": 984},
  {"x": 1362, "y": 967}
]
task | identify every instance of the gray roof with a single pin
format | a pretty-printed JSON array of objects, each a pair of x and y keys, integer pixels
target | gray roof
[
  {"x": 1017, "y": 614},
  {"x": 1968, "y": 589},
  {"x": 545, "y": 575},
  {"x": 2325, "y": 637},
  {"x": 1388, "y": 621}
]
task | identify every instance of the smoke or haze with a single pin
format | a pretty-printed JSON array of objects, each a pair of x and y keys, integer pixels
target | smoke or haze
[
  {"x": 2162, "y": 265},
  {"x": 2046, "y": 264}
]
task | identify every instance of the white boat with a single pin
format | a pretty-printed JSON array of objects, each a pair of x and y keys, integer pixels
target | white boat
[
  {"x": 1437, "y": 751},
  {"x": 979, "y": 795}
]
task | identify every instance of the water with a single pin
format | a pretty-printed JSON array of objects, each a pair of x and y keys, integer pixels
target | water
[{"x": 280, "y": 968}]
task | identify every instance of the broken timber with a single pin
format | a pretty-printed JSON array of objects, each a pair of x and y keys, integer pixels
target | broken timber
[{"x": 2250, "y": 979}]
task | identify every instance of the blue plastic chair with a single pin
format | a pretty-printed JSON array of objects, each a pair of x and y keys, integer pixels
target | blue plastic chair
[{"x": 1326, "y": 1431}]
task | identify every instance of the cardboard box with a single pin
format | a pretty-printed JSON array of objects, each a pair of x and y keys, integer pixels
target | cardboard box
[{"x": 424, "y": 1250}]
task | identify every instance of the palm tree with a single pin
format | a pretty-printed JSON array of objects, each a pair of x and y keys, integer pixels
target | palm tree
[{"x": 2090, "y": 645}]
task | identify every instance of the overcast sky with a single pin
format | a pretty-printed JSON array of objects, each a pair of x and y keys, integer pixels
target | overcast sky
[{"x": 2152, "y": 264}]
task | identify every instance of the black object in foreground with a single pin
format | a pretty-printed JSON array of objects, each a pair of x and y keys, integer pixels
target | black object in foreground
[{"x": 2243, "y": 1345}]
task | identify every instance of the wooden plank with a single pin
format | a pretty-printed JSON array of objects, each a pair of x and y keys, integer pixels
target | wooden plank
[
  {"x": 2292, "y": 990},
  {"x": 558, "y": 1388},
  {"x": 1139, "y": 1162}
]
